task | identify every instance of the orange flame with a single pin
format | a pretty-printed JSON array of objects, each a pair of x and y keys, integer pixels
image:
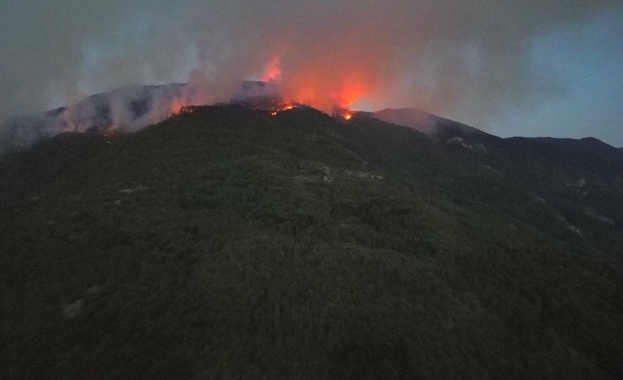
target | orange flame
[
  {"x": 348, "y": 116},
  {"x": 176, "y": 107},
  {"x": 286, "y": 107},
  {"x": 321, "y": 93},
  {"x": 337, "y": 83},
  {"x": 273, "y": 70}
]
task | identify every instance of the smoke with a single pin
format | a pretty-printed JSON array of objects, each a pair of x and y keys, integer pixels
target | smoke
[
  {"x": 124, "y": 110},
  {"x": 467, "y": 59}
]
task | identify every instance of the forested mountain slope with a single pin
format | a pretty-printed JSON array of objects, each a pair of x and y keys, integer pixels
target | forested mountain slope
[{"x": 226, "y": 242}]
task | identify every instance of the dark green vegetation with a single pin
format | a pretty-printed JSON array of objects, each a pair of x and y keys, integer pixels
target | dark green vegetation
[{"x": 229, "y": 243}]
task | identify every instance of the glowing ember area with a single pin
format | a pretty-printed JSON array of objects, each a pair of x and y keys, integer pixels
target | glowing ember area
[
  {"x": 348, "y": 116},
  {"x": 285, "y": 107},
  {"x": 176, "y": 107}
]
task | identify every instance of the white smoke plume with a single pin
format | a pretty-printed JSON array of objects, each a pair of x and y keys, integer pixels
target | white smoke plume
[{"x": 453, "y": 57}]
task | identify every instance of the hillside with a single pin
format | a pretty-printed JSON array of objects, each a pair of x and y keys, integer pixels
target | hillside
[
  {"x": 225, "y": 242},
  {"x": 569, "y": 190}
]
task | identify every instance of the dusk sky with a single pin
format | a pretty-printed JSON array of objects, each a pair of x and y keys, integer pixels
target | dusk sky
[{"x": 528, "y": 68}]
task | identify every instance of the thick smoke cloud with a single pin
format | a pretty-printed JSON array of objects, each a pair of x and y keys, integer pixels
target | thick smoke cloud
[{"x": 466, "y": 59}]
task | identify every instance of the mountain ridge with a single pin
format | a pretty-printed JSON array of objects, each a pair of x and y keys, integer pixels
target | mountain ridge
[
  {"x": 302, "y": 245},
  {"x": 133, "y": 107}
]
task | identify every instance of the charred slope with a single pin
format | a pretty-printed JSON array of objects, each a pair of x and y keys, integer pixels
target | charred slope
[{"x": 227, "y": 242}]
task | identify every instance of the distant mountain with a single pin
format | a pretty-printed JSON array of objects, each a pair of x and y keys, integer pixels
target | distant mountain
[
  {"x": 439, "y": 128},
  {"x": 579, "y": 183},
  {"x": 422, "y": 121},
  {"x": 453, "y": 132}
]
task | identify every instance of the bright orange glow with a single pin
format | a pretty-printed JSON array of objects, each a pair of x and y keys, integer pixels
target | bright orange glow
[
  {"x": 286, "y": 107},
  {"x": 322, "y": 90},
  {"x": 176, "y": 107},
  {"x": 273, "y": 70},
  {"x": 348, "y": 116}
]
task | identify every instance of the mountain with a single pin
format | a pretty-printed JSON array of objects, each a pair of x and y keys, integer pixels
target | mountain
[
  {"x": 125, "y": 109},
  {"x": 423, "y": 121},
  {"x": 579, "y": 183},
  {"x": 227, "y": 242}
]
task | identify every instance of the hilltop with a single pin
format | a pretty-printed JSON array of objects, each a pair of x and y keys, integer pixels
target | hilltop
[{"x": 226, "y": 242}]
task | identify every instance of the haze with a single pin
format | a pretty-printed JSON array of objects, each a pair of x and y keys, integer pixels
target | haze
[{"x": 529, "y": 68}]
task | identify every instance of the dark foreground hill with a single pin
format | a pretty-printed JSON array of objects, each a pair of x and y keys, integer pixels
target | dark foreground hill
[{"x": 229, "y": 243}]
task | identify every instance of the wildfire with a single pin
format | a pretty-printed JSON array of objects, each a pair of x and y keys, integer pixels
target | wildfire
[
  {"x": 348, "y": 116},
  {"x": 273, "y": 70},
  {"x": 179, "y": 109},
  {"x": 337, "y": 84},
  {"x": 285, "y": 107},
  {"x": 176, "y": 107}
]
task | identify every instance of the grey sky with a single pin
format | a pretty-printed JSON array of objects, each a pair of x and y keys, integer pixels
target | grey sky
[{"x": 509, "y": 67}]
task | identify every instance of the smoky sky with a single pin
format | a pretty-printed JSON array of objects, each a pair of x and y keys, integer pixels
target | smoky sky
[{"x": 487, "y": 63}]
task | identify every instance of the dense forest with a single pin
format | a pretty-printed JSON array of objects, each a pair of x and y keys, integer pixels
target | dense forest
[{"x": 229, "y": 243}]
